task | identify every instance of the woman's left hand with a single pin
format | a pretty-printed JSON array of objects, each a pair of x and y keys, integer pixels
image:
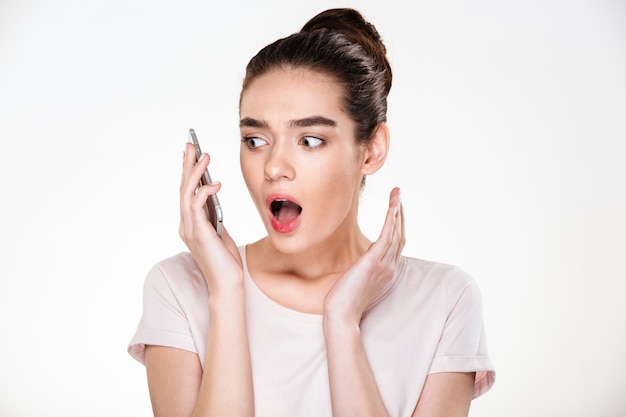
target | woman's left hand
[{"x": 360, "y": 285}]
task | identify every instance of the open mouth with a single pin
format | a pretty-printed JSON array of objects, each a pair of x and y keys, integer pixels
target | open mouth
[{"x": 285, "y": 211}]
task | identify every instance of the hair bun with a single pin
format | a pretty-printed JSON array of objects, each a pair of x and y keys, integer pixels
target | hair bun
[
  {"x": 342, "y": 45},
  {"x": 352, "y": 24}
]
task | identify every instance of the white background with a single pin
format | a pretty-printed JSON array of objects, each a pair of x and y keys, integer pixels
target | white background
[{"x": 509, "y": 143}]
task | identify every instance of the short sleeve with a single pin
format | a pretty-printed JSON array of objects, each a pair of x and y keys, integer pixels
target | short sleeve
[
  {"x": 163, "y": 322},
  {"x": 463, "y": 347}
]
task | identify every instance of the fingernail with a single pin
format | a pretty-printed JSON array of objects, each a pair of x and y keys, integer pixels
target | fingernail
[{"x": 202, "y": 157}]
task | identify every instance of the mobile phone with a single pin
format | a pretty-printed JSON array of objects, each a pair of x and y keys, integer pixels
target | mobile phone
[{"x": 213, "y": 208}]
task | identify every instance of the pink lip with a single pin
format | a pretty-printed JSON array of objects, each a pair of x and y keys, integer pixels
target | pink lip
[{"x": 278, "y": 226}]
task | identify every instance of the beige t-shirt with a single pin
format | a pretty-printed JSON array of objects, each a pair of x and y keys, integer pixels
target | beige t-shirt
[{"x": 428, "y": 319}]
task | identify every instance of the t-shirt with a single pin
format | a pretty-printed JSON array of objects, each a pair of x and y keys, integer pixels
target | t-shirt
[{"x": 427, "y": 319}]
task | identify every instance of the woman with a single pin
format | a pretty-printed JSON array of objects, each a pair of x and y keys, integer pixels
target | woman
[{"x": 313, "y": 319}]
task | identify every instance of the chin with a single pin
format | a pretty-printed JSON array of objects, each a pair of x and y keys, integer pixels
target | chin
[{"x": 290, "y": 244}]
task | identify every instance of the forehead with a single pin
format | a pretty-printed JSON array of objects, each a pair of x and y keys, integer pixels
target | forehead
[{"x": 292, "y": 93}]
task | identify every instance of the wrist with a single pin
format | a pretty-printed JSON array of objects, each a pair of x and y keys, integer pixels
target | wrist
[
  {"x": 339, "y": 323},
  {"x": 226, "y": 298}
]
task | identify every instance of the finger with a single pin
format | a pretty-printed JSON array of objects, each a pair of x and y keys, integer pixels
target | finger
[
  {"x": 189, "y": 160},
  {"x": 196, "y": 173},
  {"x": 394, "y": 246},
  {"x": 193, "y": 199},
  {"x": 399, "y": 234},
  {"x": 401, "y": 228},
  {"x": 187, "y": 165},
  {"x": 381, "y": 246},
  {"x": 202, "y": 194},
  {"x": 197, "y": 207},
  {"x": 192, "y": 170},
  {"x": 398, "y": 227},
  {"x": 403, "y": 225},
  {"x": 190, "y": 186},
  {"x": 189, "y": 177}
]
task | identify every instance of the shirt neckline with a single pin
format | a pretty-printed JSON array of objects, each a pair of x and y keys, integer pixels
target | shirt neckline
[{"x": 269, "y": 303}]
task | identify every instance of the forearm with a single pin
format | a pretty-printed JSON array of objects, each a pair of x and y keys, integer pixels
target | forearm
[
  {"x": 353, "y": 389},
  {"x": 226, "y": 388}
]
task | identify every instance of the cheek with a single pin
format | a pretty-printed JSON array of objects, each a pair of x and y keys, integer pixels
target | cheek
[
  {"x": 247, "y": 166},
  {"x": 249, "y": 172},
  {"x": 344, "y": 172},
  {"x": 337, "y": 180}
]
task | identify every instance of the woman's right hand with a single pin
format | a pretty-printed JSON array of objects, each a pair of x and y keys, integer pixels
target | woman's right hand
[
  {"x": 218, "y": 259},
  {"x": 179, "y": 385}
]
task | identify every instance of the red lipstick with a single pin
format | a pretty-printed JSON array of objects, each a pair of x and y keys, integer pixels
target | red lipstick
[{"x": 284, "y": 212}]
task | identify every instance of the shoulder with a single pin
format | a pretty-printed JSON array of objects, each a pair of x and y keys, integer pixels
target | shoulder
[
  {"x": 182, "y": 262},
  {"x": 433, "y": 273},
  {"x": 176, "y": 273},
  {"x": 435, "y": 279},
  {"x": 173, "y": 296}
]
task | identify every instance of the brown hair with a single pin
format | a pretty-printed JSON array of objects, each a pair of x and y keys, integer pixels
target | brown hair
[{"x": 342, "y": 44}]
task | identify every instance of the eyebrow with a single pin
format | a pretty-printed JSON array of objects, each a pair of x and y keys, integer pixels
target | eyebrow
[
  {"x": 304, "y": 122},
  {"x": 313, "y": 121},
  {"x": 250, "y": 122}
]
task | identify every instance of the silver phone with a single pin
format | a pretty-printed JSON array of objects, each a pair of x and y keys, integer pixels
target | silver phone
[{"x": 213, "y": 208}]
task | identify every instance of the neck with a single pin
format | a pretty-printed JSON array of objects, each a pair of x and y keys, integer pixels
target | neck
[
  {"x": 300, "y": 275},
  {"x": 332, "y": 257}
]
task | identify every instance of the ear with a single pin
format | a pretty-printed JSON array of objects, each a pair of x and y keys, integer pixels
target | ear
[{"x": 376, "y": 152}]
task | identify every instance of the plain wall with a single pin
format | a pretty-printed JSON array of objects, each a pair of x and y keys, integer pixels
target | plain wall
[{"x": 508, "y": 124}]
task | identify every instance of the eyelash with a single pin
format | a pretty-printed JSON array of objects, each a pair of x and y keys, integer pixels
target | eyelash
[
  {"x": 305, "y": 138},
  {"x": 248, "y": 140}
]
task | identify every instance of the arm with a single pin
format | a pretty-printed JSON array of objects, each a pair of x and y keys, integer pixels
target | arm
[
  {"x": 174, "y": 377},
  {"x": 178, "y": 385},
  {"x": 353, "y": 389},
  {"x": 446, "y": 394},
  {"x": 226, "y": 388}
]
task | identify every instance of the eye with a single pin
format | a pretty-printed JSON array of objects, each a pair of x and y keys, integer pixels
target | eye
[
  {"x": 253, "y": 142},
  {"x": 311, "y": 142}
]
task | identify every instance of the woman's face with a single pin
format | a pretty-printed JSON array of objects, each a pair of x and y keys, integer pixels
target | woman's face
[{"x": 299, "y": 158}]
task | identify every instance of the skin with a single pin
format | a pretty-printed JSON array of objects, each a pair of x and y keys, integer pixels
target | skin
[
  {"x": 298, "y": 141},
  {"x": 321, "y": 167}
]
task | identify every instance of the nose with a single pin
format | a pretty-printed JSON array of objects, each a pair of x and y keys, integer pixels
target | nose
[{"x": 279, "y": 164}]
